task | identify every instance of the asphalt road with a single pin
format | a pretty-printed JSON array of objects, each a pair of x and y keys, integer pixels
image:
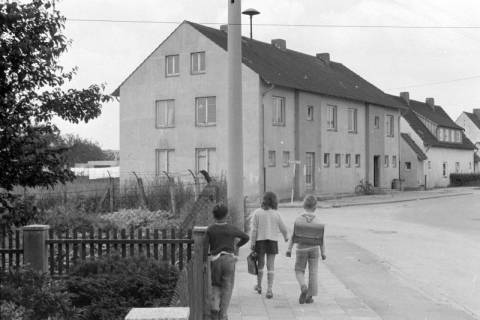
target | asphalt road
[{"x": 409, "y": 260}]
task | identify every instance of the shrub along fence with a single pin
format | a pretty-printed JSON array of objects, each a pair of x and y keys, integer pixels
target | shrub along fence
[
  {"x": 56, "y": 253},
  {"x": 464, "y": 179}
]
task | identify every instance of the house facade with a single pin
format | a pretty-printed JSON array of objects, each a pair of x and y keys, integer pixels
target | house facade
[
  {"x": 432, "y": 145},
  {"x": 470, "y": 122},
  {"x": 309, "y": 124}
]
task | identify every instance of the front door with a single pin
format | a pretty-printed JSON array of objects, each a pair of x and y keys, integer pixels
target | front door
[{"x": 376, "y": 171}]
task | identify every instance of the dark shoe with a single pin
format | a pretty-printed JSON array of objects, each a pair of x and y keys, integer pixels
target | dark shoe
[
  {"x": 269, "y": 294},
  {"x": 309, "y": 299},
  {"x": 258, "y": 289},
  {"x": 303, "y": 295}
]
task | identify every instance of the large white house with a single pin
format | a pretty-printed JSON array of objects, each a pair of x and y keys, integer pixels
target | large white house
[
  {"x": 470, "y": 122},
  {"x": 297, "y": 108},
  {"x": 432, "y": 145}
]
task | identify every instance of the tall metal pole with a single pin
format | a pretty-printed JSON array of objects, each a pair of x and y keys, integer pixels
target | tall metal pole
[
  {"x": 234, "y": 116},
  {"x": 251, "y": 27}
]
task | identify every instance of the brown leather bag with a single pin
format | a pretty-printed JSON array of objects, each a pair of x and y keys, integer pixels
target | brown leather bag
[{"x": 309, "y": 233}]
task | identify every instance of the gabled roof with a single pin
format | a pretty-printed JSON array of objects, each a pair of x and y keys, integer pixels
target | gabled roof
[
  {"x": 297, "y": 70},
  {"x": 418, "y": 151},
  {"x": 474, "y": 119}
]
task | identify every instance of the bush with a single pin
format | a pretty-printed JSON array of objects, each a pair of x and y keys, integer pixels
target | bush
[
  {"x": 29, "y": 295},
  {"x": 140, "y": 218},
  {"x": 108, "y": 288},
  {"x": 464, "y": 179}
]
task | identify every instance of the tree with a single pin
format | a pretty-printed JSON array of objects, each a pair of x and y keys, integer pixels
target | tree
[
  {"x": 82, "y": 150},
  {"x": 32, "y": 92}
]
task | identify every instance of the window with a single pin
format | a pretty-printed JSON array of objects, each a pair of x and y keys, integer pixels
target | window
[
  {"x": 163, "y": 160},
  {"x": 445, "y": 135},
  {"x": 440, "y": 134},
  {"x": 331, "y": 117},
  {"x": 337, "y": 160},
  {"x": 386, "y": 161},
  {"x": 206, "y": 159},
  {"x": 389, "y": 126},
  {"x": 408, "y": 165},
  {"x": 352, "y": 120},
  {"x": 271, "y": 158},
  {"x": 444, "y": 169},
  {"x": 310, "y": 113},
  {"x": 172, "y": 65},
  {"x": 457, "y": 167},
  {"x": 206, "y": 111},
  {"x": 197, "y": 62},
  {"x": 278, "y": 111},
  {"x": 450, "y": 135},
  {"x": 429, "y": 164},
  {"x": 376, "y": 122},
  {"x": 357, "y": 160},
  {"x": 326, "y": 159},
  {"x": 309, "y": 168},
  {"x": 286, "y": 158},
  {"x": 394, "y": 161},
  {"x": 458, "y": 136},
  {"x": 347, "y": 160},
  {"x": 164, "y": 113}
]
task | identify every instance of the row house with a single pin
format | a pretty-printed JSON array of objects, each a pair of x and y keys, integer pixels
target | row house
[
  {"x": 309, "y": 124},
  {"x": 470, "y": 122},
  {"x": 432, "y": 145}
]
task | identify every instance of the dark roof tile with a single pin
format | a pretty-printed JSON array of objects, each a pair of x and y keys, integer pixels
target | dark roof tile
[{"x": 474, "y": 119}]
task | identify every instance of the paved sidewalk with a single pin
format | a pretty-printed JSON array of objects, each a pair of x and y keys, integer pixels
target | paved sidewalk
[
  {"x": 334, "y": 300},
  {"x": 330, "y": 201}
]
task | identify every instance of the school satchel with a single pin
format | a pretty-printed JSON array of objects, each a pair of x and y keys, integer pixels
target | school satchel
[
  {"x": 308, "y": 233},
  {"x": 252, "y": 263}
]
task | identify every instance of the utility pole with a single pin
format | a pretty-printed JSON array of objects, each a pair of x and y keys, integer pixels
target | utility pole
[{"x": 234, "y": 115}]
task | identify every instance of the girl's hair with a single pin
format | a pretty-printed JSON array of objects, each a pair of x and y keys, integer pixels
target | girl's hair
[
  {"x": 309, "y": 202},
  {"x": 269, "y": 201}
]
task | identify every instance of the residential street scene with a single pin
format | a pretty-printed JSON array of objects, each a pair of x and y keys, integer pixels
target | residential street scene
[{"x": 417, "y": 259}]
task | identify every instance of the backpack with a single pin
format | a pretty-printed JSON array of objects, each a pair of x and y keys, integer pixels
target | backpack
[{"x": 308, "y": 233}]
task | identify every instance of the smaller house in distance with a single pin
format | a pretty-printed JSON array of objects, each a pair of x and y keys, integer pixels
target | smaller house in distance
[
  {"x": 470, "y": 122},
  {"x": 432, "y": 145}
]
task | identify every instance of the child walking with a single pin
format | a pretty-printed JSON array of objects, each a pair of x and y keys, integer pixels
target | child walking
[
  {"x": 221, "y": 242},
  {"x": 308, "y": 235},
  {"x": 266, "y": 224}
]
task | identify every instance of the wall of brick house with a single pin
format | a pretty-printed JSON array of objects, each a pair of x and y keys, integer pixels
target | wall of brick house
[
  {"x": 382, "y": 145},
  {"x": 138, "y": 136}
]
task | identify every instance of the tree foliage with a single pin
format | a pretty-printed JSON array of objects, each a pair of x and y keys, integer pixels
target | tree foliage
[
  {"x": 32, "y": 93},
  {"x": 81, "y": 150}
]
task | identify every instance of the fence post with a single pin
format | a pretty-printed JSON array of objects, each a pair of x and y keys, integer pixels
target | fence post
[
  {"x": 35, "y": 251},
  {"x": 200, "y": 289}
]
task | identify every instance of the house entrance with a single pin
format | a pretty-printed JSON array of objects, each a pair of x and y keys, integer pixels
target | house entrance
[{"x": 376, "y": 171}]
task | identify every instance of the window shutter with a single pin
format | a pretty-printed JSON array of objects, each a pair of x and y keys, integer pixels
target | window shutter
[
  {"x": 212, "y": 161},
  {"x": 201, "y": 110},
  {"x": 160, "y": 112},
  {"x": 194, "y": 62},
  {"x": 176, "y": 63},
  {"x": 202, "y": 61},
  {"x": 171, "y": 112}
]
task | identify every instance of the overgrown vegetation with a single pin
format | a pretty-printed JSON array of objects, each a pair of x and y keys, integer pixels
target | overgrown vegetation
[{"x": 464, "y": 179}]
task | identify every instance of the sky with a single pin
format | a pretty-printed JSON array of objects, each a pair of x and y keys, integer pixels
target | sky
[{"x": 443, "y": 63}]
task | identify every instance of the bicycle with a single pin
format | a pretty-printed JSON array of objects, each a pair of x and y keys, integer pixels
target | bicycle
[{"x": 364, "y": 187}]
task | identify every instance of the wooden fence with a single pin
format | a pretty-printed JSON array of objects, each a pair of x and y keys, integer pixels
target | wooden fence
[{"x": 11, "y": 251}]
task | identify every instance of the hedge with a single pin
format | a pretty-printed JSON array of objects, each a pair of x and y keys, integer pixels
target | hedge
[{"x": 464, "y": 179}]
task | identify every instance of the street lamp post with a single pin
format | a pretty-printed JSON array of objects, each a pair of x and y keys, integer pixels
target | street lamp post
[{"x": 251, "y": 12}]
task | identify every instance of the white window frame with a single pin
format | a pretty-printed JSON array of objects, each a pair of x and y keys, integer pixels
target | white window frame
[
  {"x": 286, "y": 158},
  {"x": 326, "y": 160},
  {"x": 390, "y": 125},
  {"x": 348, "y": 160},
  {"x": 394, "y": 161},
  {"x": 168, "y": 157},
  {"x": 332, "y": 118},
  {"x": 208, "y": 159},
  {"x": 458, "y": 136},
  {"x": 457, "y": 167},
  {"x": 197, "y": 56},
  {"x": 309, "y": 169},
  {"x": 386, "y": 161},
  {"x": 272, "y": 158},
  {"x": 206, "y": 122},
  {"x": 352, "y": 120},
  {"x": 376, "y": 122},
  {"x": 338, "y": 160},
  {"x": 278, "y": 111},
  {"x": 163, "y": 106},
  {"x": 429, "y": 165},
  {"x": 444, "y": 169},
  {"x": 408, "y": 166},
  {"x": 310, "y": 113},
  {"x": 174, "y": 72},
  {"x": 357, "y": 160}
]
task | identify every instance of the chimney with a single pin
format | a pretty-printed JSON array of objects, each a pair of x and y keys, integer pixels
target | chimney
[
  {"x": 406, "y": 97},
  {"x": 279, "y": 44},
  {"x": 430, "y": 102},
  {"x": 477, "y": 113},
  {"x": 224, "y": 28},
  {"x": 325, "y": 57}
]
